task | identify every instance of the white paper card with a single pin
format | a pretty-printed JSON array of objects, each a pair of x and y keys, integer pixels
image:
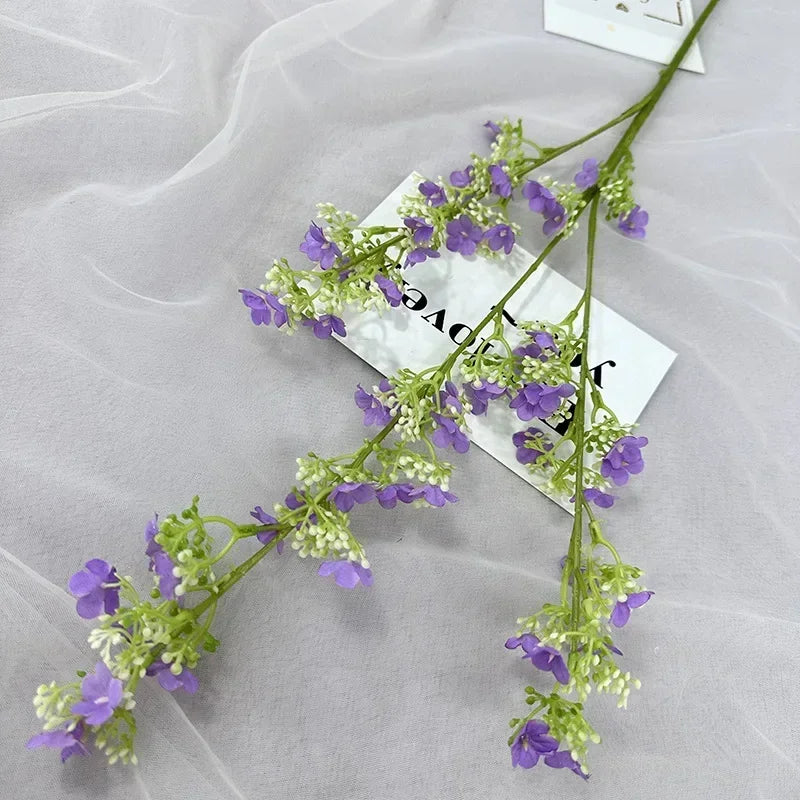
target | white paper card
[
  {"x": 445, "y": 296},
  {"x": 650, "y": 29}
]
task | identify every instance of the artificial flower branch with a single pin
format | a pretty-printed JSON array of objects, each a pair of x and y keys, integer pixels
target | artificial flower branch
[{"x": 424, "y": 413}]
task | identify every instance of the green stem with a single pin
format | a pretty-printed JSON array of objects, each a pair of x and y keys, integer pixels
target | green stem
[
  {"x": 554, "y": 152},
  {"x": 652, "y": 98},
  {"x": 233, "y": 577},
  {"x": 579, "y": 419},
  {"x": 385, "y": 245}
]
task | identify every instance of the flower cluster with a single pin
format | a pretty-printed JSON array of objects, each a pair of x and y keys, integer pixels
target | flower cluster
[
  {"x": 466, "y": 214},
  {"x": 137, "y": 637},
  {"x": 570, "y": 440}
]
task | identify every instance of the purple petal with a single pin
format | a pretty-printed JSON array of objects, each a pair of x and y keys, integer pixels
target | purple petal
[
  {"x": 560, "y": 671},
  {"x": 99, "y": 567},
  {"x": 82, "y": 583},
  {"x": 190, "y": 682},
  {"x": 60, "y": 738},
  {"x": 364, "y": 574},
  {"x": 620, "y": 615},
  {"x": 638, "y": 599},
  {"x": 346, "y": 576},
  {"x": 460, "y": 442},
  {"x": 441, "y": 438},
  {"x": 90, "y": 606},
  {"x": 169, "y": 681},
  {"x": 327, "y": 568},
  {"x": 114, "y": 693}
]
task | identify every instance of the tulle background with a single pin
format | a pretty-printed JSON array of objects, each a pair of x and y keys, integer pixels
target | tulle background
[{"x": 156, "y": 157}]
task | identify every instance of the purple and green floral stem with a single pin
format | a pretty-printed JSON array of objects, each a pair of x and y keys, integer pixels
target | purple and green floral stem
[
  {"x": 547, "y": 154},
  {"x": 591, "y": 195},
  {"x": 573, "y": 567},
  {"x": 442, "y": 371},
  {"x": 640, "y": 112}
]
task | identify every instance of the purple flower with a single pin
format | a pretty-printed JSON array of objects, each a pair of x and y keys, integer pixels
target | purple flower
[
  {"x": 563, "y": 759},
  {"x": 463, "y": 236},
  {"x": 633, "y": 225},
  {"x": 433, "y": 495},
  {"x": 163, "y": 566},
  {"x": 622, "y": 610},
  {"x": 588, "y": 175},
  {"x": 326, "y": 325},
  {"x": 493, "y": 128},
  {"x": 527, "y": 641},
  {"x": 555, "y": 217},
  {"x": 389, "y": 495},
  {"x": 542, "y": 656},
  {"x": 422, "y": 229},
  {"x": 70, "y": 742},
  {"x": 346, "y": 495},
  {"x": 548, "y": 659},
  {"x": 160, "y": 562},
  {"x": 599, "y": 497},
  {"x": 420, "y": 254},
  {"x": 450, "y": 397},
  {"x": 97, "y": 589},
  {"x": 500, "y": 237},
  {"x": 390, "y": 290},
  {"x": 318, "y": 248},
  {"x": 480, "y": 396},
  {"x": 537, "y": 196},
  {"x": 375, "y": 412},
  {"x": 264, "y": 307},
  {"x": 532, "y": 742},
  {"x": 462, "y": 178},
  {"x": 150, "y": 531},
  {"x": 433, "y": 193},
  {"x": 348, "y": 574},
  {"x": 544, "y": 340},
  {"x": 185, "y": 679},
  {"x": 624, "y": 459},
  {"x": 541, "y": 341},
  {"x": 102, "y": 693},
  {"x": 529, "y": 455},
  {"x": 293, "y": 502},
  {"x": 265, "y": 537},
  {"x": 501, "y": 183},
  {"x": 448, "y": 433},
  {"x": 540, "y": 400}
]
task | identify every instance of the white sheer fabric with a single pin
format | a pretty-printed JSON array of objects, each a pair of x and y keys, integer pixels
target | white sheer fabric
[{"x": 158, "y": 155}]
